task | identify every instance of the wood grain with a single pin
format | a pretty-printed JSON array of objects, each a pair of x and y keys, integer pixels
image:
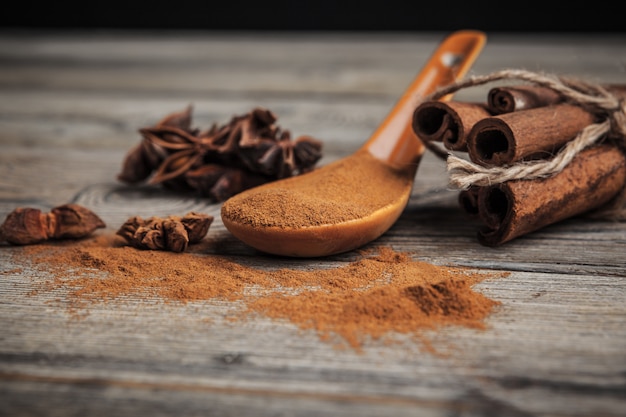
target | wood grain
[{"x": 70, "y": 108}]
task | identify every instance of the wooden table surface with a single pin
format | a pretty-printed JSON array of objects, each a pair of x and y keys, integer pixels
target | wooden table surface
[{"x": 70, "y": 107}]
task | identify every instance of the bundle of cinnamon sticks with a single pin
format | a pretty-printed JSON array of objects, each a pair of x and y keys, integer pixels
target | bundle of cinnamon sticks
[{"x": 517, "y": 124}]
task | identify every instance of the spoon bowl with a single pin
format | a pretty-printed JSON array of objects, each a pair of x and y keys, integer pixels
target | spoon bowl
[{"x": 352, "y": 201}]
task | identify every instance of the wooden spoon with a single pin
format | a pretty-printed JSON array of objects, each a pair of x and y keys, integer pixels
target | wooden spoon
[{"x": 350, "y": 202}]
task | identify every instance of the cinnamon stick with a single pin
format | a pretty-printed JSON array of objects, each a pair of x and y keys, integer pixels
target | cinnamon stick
[
  {"x": 525, "y": 134},
  {"x": 514, "y": 208},
  {"x": 506, "y": 99},
  {"x": 468, "y": 200},
  {"x": 448, "y": 122}
]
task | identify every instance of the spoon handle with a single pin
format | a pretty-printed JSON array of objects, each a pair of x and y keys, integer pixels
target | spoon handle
[{"x": 394, "y": 140}]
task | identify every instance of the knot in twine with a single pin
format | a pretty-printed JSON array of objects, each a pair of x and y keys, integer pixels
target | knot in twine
[{"x": 594, "y": 98}]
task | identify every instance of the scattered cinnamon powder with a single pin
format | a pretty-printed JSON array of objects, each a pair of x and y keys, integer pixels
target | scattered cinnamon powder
[
  {"x": 324, "y": 196},
  {"x": 382, "y": 293}
]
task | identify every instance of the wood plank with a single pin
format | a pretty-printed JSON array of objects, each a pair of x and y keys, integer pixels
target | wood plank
[
  {"x": 522, "y": 355},
  {"x": 191, "y": 64},
  {"x": 86, "y": 120}
]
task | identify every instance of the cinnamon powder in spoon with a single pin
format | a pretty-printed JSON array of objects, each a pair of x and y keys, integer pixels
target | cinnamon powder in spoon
[
  {"x": 381, "y": 294},
  {"x": 347, "y": 189}
]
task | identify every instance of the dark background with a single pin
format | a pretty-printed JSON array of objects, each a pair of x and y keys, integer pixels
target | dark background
[{"x": 273, "y": 15}]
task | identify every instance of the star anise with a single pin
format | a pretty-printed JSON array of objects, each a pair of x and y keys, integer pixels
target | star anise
[
  {"x": 145, "y": 157},
  {"x": 172, "y": 233},
  {"x": 220, "y": 161}
]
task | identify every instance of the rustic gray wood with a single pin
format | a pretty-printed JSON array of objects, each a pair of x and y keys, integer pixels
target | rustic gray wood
[{"x": 70, "y": 107}]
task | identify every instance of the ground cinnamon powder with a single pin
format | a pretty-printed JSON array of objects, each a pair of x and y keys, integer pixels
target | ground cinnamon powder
[
  {"x": 383, "y": 293},
  {"x": 324, "y": 196}
]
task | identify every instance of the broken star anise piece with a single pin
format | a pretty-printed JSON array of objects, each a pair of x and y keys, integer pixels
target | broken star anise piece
[
  {"x": 172, "y": 233},
  {"x": 26, "y": 226}
]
